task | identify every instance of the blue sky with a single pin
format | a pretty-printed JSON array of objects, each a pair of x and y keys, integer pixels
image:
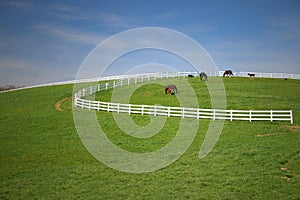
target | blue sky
[{"x": 46, "y": 41}]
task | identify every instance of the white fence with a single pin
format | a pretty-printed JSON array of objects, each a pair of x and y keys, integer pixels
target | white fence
[
  {"x": 198, "y": 113},
  {"x": 268, "y": 75}
]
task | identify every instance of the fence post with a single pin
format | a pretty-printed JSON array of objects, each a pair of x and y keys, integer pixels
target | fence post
[
  {"x": 128, "y": 81},
  {"x": 231, "y": 115},
  {"x": 169, "y": 111},
  {"x": 154, "y": 110},
  {"x": 214, "y": 114},
  {"x": 129, "y": 109},
  {"x": 271, "y": 113},
  {"x": 82, "y": 106},
  {"x": 91, "y": 90},
  {"x": 250, "y": 117},
  {"x": 182, "y": 112},
  {"x": 198, "y": 114},
  {"x": 291, "y": 115},
  {"x": 142, "y": 110},
  {"x": 75, "y": 101}
]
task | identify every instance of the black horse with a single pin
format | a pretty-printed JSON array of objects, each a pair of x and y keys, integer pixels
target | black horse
[
  {"x": 228, "y": 73},
  {"x": 171, "y": 89},
  {"x": 190, "y": 76},
  {"x": 203, "y": 76}
]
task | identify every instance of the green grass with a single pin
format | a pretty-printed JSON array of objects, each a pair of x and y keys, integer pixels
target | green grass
[{"x": 42, "y": 156}]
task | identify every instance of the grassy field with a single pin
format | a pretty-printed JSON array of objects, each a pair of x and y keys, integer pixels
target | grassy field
[{"x": 42, "y": 156}]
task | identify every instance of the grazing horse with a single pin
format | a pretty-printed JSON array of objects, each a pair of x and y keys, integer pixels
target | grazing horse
[
  {"x": 228, "y": 73},
  {"x": 171, "y": 89},
  {"x": 251, "y": 75},
  {"x": 203, "y": 76},
  {"x": 190, "y": 76}
]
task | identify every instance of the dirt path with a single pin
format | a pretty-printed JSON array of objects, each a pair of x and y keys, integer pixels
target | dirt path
[
  {"x": 292, "y": 129},
  {"x": 60, "y": 102}
]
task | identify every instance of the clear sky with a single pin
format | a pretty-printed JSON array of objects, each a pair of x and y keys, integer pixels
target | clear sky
[{"x": 46, "y": 41}]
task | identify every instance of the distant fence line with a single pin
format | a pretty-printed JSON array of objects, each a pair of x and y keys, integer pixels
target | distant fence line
[
  {"x": 198, "y": 113},
  {"x": 209, "y": 73},
  {"x": 268, "y": 75}
]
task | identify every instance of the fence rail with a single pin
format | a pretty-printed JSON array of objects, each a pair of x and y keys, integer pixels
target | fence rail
[{"x": 198, "y": 113}]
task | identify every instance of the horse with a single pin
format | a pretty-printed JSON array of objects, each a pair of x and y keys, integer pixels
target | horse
[
  {"x": 251, "y": 75},
  {"x": 171, "y": 89},
  {"x": 190, "y": 76},
  {"x": 203, "y": 76},
  {"x": 228, "y": 73}
]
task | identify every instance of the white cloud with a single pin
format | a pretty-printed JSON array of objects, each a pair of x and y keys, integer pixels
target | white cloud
[
  {"x": 65, "y": 7},
  {"x": 166, "y": 15},
  {"x": 109, "y": 20},
  {"x": 99, "y": 18},
  {"x": 73, "y": 35},
  {"x": 21, "y": 5}
]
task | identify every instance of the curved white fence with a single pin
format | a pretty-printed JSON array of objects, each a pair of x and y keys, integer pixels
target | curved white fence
[{"x": 198, "y": 113}]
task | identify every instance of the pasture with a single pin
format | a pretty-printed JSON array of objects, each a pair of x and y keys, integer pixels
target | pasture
[{"x": 42, "y": 156}]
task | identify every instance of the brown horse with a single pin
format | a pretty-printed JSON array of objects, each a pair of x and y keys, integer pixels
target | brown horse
[
  {"x": 171, "y": 89},
  {"x": 228, "y": 73}
]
